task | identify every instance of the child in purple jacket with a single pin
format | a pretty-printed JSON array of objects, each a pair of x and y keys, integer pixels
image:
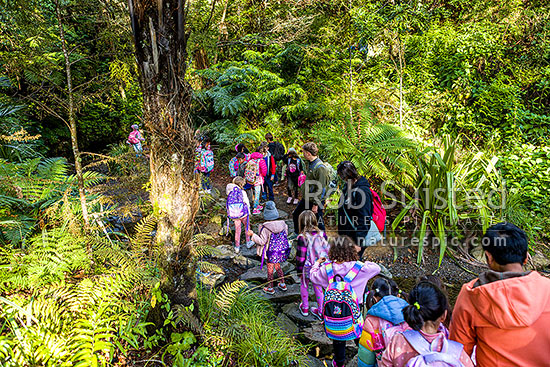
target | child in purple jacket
[
  {"x": 312, "y": 245},
  {"x": 343, "y": 257}
]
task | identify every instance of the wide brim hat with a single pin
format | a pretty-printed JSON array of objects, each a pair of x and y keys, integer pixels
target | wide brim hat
[{"x": 270, "y": 211}]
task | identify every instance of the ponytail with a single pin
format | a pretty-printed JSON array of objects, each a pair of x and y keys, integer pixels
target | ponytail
[{"x": 426, "y": 303}]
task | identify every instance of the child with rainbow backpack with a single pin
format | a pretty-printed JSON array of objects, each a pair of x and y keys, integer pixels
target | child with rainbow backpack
[
  {"x": 425, "y": 344},
  {"x": 254, "y": 174},
  {"x": 273, "y": 246},
  {"x": 312, "y": 245},
  {"x": 345, "y": 279}
]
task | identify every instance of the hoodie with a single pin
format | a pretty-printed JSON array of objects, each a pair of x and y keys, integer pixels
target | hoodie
[
  {"x": 384, "y": 314},
  {"x": 507, "y": 315},
  {"x": 358, "y": 207},
  {"x": 262, "y": 165}
]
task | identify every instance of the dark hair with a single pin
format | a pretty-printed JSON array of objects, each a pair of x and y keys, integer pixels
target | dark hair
[
  {"x": 506, "y": 243},
  {"x": 206, "y": 139},
  {"x": 269, "y": 137},
  {"x": 240, "y": 155},
  {"x": 311, "y": 147},
  {"x": 342, "y": 249},
  {"x": 382, "y": 287},
  {"x": 347, "y": 171},
  {"x": 439, "y": 284},
  {"x": 242, "y": 149},
  {"x": 263, "y": 147},
  {"x": 426, "y": 303}
]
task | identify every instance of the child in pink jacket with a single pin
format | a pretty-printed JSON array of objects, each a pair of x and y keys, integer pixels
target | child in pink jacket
[{"x": 343, "y": 257}]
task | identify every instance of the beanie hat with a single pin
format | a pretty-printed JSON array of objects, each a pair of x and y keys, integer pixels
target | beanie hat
[{"x": 270, "y": 211}]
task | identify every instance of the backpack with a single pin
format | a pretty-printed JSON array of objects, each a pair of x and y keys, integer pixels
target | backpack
[
  {"x": 207, "y": 161},
  {"x": 293, "y": 168},
  {"x": 332, "y": 175},
  {"x": 233, "y": 167},
  {"x": 133, "y": 137},
  {"x": 278, "y": 250},
  {"x": 341, "y": 313},
  {"x": 301, "y": 179},
  {"x": 278, "y": 152},
  {"x": 449, "y": 356},
  {"x": 252, "y": 171},
  {"x": 378, "y": 211},
  {"x": 236, "y": 207}
]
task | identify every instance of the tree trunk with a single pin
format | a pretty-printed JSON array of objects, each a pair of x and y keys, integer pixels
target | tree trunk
[
  {"x": 160, "y": 45},
  {"x": 72, "y": 123}
]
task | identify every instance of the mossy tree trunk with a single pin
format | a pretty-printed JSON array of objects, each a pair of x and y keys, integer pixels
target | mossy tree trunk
[{"x": 160, "y": 45}]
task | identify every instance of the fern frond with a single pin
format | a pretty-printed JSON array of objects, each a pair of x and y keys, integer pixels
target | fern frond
[
  {"x": 207, "y": 267},
  {"x": 228, "y": 294}
]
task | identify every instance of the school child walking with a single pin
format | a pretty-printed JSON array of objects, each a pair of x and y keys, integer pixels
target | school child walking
[
  {"x": 236, "y": 164},
  {"x": 294, "y": 168},
  {"x": 385, "y": 304},
  {"x": 271, "y": 171},
  {"x": 312, "y": 245},
  {"x": 205, "y": 165},
  {"x": 238, "y": 209},
  {"x": 426, "y": 311},
  {"x": 273, "y": 246},
  {"x": 345, "y": 279},
  {"x": 134, "y": 139},
  {"x": 254, "y": 175}
]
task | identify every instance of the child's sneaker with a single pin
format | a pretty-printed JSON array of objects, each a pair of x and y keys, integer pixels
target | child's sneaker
[
  {"x": 296, "y": 201},
  {"x": 282, "y": 286},
  {"x": 257, "y": 211},
  {"x": 237, "y": 249},
  {"x": 304, "y": 311},
  {"x": 250, "y": 244},
  {"x": 289, "y": 200},
  {"x": 260, "y": 207},
  {"x": 269, "y": 290},
  {"x": 317, "y": 313}
]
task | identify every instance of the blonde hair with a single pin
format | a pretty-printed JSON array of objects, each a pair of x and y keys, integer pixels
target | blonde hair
[
  {"x": 239, "y": 181},
  {"x": 307, "y": 222}
]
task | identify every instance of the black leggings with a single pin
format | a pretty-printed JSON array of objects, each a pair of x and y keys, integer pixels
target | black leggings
[
  {"x": 339, "y": 348},
  {"x": 292, "y": 186}
]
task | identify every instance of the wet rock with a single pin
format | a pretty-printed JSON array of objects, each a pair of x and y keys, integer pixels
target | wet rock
[
  {"x": 385, "y": 272},
  {"x": 245, "y": 262},
  {"x": 294, "y": 277},
  {"x": 256, "y": 274},
  {"x": 287, "y": 325},
  {"x": 224, "y": 252},
  {"x": 249, "y": 252},
  {"x": 316, "y": 334},
  {"x": 210, "y": 280},
  {"x": 282, "y": 214},
  {"x": 292, "y": 255},
  {"x": 314, "y": 362},
  {"x": 292, "y": 311},
  {"x": 292, "y": 294}
]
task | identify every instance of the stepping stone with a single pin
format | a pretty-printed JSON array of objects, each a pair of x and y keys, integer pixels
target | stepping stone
[
  {"x": 287, "y": 325},
  {"x": 314, "y": 362},
  {"x": 292, "y": 294},
  {"x": 210, "y": 280},
  {"x": 292, "y": 311},
  {"x": 249, "y": 252},
  {"x": 353, "y": 362},
  {"x": 257, "y": 275},
  {"x": 224, "y": 252},
  {"x": 246, "y": 262},
  {"x": 316, "y": 334}
]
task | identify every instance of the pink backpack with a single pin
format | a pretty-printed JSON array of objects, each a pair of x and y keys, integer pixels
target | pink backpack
[{"x": 133, "y": 137}]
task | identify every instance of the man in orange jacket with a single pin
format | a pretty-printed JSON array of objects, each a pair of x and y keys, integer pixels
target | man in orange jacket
[{"x": 506, "y": 311}]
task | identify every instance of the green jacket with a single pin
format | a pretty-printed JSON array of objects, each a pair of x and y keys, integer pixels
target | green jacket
[{"x": 316, "y": 172}]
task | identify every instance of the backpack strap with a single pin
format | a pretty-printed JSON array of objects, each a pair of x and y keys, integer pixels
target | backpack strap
[
  {"x": 417, "y": 341},
  {"x": 330, "y": 272},
  {"x": 353, "y": 272}
]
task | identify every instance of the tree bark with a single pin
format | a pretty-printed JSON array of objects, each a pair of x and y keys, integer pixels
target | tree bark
[
  {"x": 160, "y": 46},
  {"x": 72, "y": 122}
]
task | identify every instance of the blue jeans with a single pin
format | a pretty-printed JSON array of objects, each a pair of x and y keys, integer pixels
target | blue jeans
[{"x": 268, "y": 188}]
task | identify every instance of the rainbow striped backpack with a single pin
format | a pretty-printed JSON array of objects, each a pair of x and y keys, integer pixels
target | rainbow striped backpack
[{"x": 341, "y": 311}]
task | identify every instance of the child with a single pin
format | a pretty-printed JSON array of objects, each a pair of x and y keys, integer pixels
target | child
[
  {"x": 271, "y": 170},
  {"x": 135, "y": 139},
  {"x": 426, "y": 310},
  {"x": 343, "y": 264},
  {"x": 205, "y": 164},
  {"x": 312, "y": 245},
  {"x": 385, "y": 307},
  {"x": 236, "y": 164},
  {"x": 294, "y": 168},
  {"x": 254, "y": 175},
  {"x": 238, "y": 209},
  {"x": 272, "y": 245}
]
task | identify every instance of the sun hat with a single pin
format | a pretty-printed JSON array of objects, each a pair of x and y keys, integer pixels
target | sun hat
[
  {"x": 270, "y": 211},
  {"x": 135, "y": 127}
]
